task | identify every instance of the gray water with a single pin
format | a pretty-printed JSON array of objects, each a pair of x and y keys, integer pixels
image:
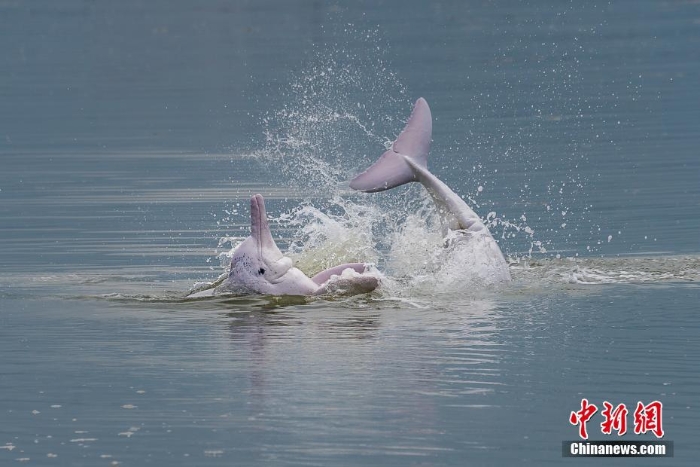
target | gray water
[{"x": 132, "y": 135}]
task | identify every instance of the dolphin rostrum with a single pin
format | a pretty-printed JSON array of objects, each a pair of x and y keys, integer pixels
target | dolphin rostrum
[
  {"x": 407, "y": 161},
  {"x": 259, "y": 267}
]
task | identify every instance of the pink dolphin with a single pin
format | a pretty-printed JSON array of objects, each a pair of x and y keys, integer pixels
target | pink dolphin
[{"x": 259, "y": 267}]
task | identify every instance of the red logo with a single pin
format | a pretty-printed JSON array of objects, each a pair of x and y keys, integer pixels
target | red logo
[
  {"x": 582, "y": 416},
  {"x": 646, "y": 418},
  {"x": 614, "y": 419}
]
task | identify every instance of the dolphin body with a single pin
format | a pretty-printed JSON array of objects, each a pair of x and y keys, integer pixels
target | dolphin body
[
  {"x": 259, "y": 267},
  {"x": 407, "y": 161}
]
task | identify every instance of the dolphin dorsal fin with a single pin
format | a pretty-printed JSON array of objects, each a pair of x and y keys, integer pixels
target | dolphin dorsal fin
[{"x": 391, "y": 170}]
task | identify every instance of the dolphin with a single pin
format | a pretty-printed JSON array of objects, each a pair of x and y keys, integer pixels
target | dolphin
[
  {"x": 407, "y": 161},
  {"x": 259, "y": 267}
]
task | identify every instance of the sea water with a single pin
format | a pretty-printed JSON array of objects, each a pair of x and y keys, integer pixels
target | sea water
[{"x": 133, "y": 135}]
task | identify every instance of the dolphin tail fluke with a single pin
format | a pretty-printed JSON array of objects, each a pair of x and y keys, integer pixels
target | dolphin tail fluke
[{"x": 391, "y": 170}]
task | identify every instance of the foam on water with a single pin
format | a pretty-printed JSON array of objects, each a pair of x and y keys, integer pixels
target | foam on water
[
  {"x": 406, "y": 242},
  {"x": 418, "y": 288},
  {"x": 612, "y": 270}
]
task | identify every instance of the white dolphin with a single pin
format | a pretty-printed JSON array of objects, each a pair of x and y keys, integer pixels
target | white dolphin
[
  {"x": 407, "y": 161},
  {"x": 259, "y": 267}
]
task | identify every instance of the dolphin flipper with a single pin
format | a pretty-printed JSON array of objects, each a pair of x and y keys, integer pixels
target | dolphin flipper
[
  {"x": 349, "y": 281},
  {"x": 391, "y": 170},
  {"x": 323, "y": 276}
]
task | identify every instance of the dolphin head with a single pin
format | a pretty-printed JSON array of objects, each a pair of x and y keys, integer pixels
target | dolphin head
[
  {"x": 258, "y": 259},
  {"x": 258, "y": 266}
]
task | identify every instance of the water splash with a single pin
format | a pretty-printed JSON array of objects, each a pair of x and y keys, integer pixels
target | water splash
[
  {"x": 341, "y": 108},
  {"x": 338, "y": 113},
  {"x": 333, "y": 111},
  {"x": 324, "y": 239}
]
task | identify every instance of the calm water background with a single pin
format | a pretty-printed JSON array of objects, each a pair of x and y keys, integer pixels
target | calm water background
[{"x": 133, "y": 133}]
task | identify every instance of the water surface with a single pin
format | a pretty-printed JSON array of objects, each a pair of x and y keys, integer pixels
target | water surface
[{"x": 132, "y": 136}]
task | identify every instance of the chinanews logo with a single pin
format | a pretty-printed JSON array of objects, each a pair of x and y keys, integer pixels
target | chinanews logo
[{"x": 647, "y": 418}]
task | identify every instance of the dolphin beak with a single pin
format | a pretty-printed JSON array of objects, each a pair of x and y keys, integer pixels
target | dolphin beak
[
  {"x": 276, "y": 263},
  {"x": 259, "y": 227}
]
